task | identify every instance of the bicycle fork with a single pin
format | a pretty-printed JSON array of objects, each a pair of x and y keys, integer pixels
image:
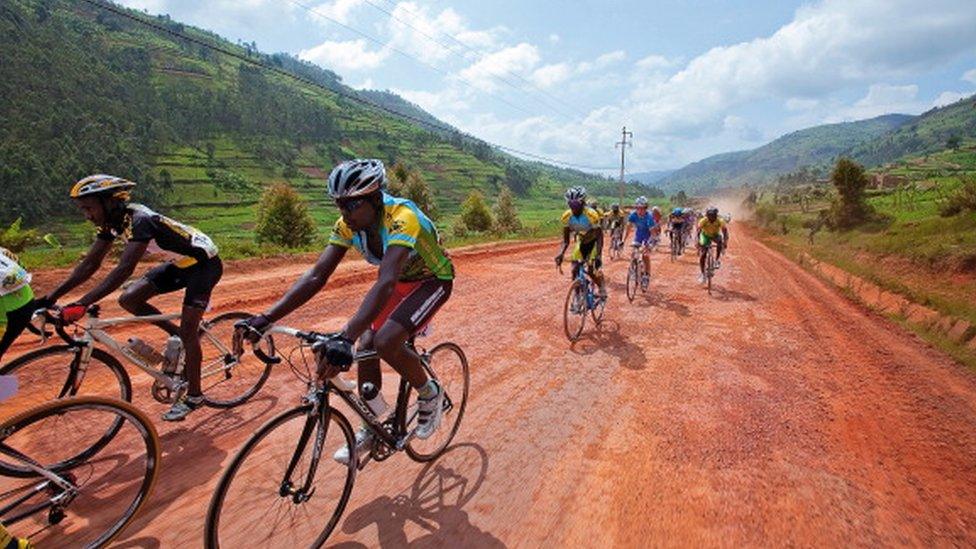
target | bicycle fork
[{"x": 318, "y": 421}]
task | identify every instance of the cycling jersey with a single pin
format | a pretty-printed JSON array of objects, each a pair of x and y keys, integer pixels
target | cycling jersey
[
  {"x": 615, "y": 220},
  {"x": 711, "y": 228},
  {"x": 583, "y": 225},
  {"x": 403, "y": 225},
  {"x": 676, "y": 221},
  {"x": 643, "y": 224},
  {"x": 13, "y": 277},
  {"x": 140, "y": 224}
]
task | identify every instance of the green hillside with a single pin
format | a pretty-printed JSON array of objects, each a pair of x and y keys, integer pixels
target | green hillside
[
  {"x": 816, "y": 147},
  {"x": 85, "y": 90}
]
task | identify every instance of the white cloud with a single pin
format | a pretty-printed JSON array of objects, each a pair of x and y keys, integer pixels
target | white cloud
[
  {"x": 970, "y": 76},
  {"x": 553, "y": 38},
  {"x": 549, "y": 75},
  {"x": 653, "y": 62},
  {"x": 741, "y": 128},
  {"x": 801, "y": 104},
  {"x": 514, "y": 59},
  {"x": 610, "y": 58},
  {"x": 339, "y": 10},
  {"x": 949, "y": 97},
  {"x": 352, "y": 55}
]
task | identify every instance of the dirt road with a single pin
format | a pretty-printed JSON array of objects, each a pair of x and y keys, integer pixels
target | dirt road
[{"x": 773, "y": 412}]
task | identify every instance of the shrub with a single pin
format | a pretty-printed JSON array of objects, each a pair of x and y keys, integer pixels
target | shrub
[
  {"x": 15, "y": 238},
  {"x": 850, "y": 208},
  {"x": 506, "y": 214},
  {"x": 410, "y": 184},
  {"x": 961, "y": 200},
  {"x": 283, "y": 218},
  {"x": 766, "y": 214},
  {"x": 474, "y": 213}
]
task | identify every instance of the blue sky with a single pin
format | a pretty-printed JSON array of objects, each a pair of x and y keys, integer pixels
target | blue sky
[{"x": 559, "y": 79}]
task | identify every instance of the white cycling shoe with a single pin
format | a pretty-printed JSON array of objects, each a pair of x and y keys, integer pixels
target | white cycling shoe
[
  {"x": 429, "y": 412},
  {"x": 364, "y": 442}
]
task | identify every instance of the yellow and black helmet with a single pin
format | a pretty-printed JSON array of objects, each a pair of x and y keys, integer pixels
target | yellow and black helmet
[{"x": 102, "y": 184}]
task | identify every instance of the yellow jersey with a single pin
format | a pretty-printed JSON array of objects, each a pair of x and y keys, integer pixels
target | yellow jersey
[
  {"x": 583, "y": 225},
  {"x": 711, "y": 228}
]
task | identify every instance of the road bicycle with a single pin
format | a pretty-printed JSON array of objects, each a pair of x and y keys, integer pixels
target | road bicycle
[
  {"x": 582, "y": 299},
  {"x": 637, "y": 275},
  {"x": 78, "y": 366},
  {"x": 711, "y": 265},
  {"x": 283, "y": 487},
  {"x": 616, "y": 243},
  {"x": 67, "y": 482},
  {"x": 677, "y": 244}
]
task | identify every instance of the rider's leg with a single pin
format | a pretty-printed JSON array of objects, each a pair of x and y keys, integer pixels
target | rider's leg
[
  {"x": 369, "y": 369},
  {"x": 413, "y": 313},
  {"x": 646, "y": 256},
  {"x": 719, "y": 247},
  {"x": 192, "y": 354},
  {"x": 17, "y": 319},
  {"x": 134, "y": 300},
  {"x": 703, "y": 244}
]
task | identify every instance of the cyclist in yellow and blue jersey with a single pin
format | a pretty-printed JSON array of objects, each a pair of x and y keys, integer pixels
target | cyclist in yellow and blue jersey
[
  {"x": 415, "y": 280},
  {"x": 583, "y": 223},
  {"x": 711, "y": 228}
]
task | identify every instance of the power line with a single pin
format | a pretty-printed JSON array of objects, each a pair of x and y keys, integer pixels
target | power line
[
  {"x": 480, "y": 55},
  {"x": 307, "y": 81}
]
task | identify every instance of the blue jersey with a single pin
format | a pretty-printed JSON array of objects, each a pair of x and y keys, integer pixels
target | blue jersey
[{"x": 643, "y": 224}]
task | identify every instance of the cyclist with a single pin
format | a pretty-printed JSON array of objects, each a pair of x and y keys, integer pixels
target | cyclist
[
  {"x": 105, "y": 201},
  {"x": 677, "y": 221},
  {"x": 711, "y": 228},
  {"x": 415, "y": 280},
  {"x": 614, "y": 220},
  {"x": 595, "y": 206},
  {"x": 17, "y": 302},
  {"x": 656, "y": 230},
  {"x": 643, "y": 222},
  {"x": 584, "y": 223}
]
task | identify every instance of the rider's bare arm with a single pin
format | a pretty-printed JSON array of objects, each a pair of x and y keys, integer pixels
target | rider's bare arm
[
  {"x": 309, "y": 284},
  {"x": 81, "y": 273},
  {"x": 394, "y": 259},
  {"x": 127, "y": 265},
  {"x": 566, "y": 233}
]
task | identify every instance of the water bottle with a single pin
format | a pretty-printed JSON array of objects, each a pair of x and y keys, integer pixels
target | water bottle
[
  {"x": 144, "y": 351},
  {"x": 171, "y": 355},
  {"x": 374, "y": 399}
]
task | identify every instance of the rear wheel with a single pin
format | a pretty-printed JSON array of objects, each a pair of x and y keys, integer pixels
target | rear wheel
[
  {"x": 633, "y": 279},
  {"x": 574, "y": 313},
  {"x": 448, "y": 365},
  {"x": 228, "y": 379}
]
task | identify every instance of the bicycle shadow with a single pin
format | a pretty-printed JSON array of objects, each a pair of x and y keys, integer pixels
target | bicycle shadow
[
  {"x": 608, "y": 339},
  {"x": 656, "y": 299},
  {"x": 191, "y": 459},
  {"x": 435, "y": 503},
  {"x": 724, "y": 294}
]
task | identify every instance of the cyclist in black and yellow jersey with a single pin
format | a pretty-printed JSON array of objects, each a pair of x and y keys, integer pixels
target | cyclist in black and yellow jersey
[
  {"x": 711, "y": 228},
  {"x": 195, "y": 267},
  {"x": 615, "y": 218},
  {"x": 584, "y": 223}
]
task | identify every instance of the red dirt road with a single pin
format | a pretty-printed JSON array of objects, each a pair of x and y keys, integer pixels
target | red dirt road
[{"x": 773, "y": 412}]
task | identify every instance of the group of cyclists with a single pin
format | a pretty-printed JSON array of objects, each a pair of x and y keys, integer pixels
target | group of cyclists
[{"x": 585, "y": 222}]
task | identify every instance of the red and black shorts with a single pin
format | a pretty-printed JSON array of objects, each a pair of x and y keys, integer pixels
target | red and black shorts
[{"x": 413, "y": 304}]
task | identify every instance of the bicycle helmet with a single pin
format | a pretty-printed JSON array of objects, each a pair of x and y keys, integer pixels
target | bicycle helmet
[
  {"x": 102, "y": 185},
  {"x": 641, "y": 202},
  {"x": 576, "y": 193},
  {"x": 656, "y": 209},
  {"x": 615, "y": 207},
  {"x": 677, "y": 211},
  {"x": 357, "y": 178},
  {"x": 712, "y": 210}
]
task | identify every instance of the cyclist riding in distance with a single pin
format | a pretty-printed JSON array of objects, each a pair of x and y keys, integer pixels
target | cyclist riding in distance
[
  {"x": 677, "y": 221},
  {"x": 17, "y": 302},
  {"x": 583, "y": 222},
  {"x": 711, "y": 228},
  {"x": 615, "y": 217},
  {"x": 415, "y": 279},
  {"x": 642, "y": 222},
  {"x": 104, "y": 199},
  {"x": 656, "y": 214}
]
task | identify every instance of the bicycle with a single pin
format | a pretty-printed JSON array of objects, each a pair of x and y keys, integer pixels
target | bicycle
[
  {"x": 60, "y": 371},
  {"x": 677, "y": 244},
  {"x": 582, "y": 298},
  {"x": 43, "y": 481},
  {"x": 710, "y": 265},
  {"x": 616, "y": 243},
  {"x": 284, "y": 461},
  {"x": 636, "y": 274}
]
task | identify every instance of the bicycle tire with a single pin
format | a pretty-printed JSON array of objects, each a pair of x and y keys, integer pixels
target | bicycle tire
[
  {"x": 217, "y": 502},
  {"x": 411, "y": 448},
  {"x": 571, "y": 296},
  {"x": 599, "y": 306},
  {"x": 632, "y": 281},
  {"x": 126, "y": 412},
  {"x": 710, "y": 267},
  {"x": 261, "y": 369}
]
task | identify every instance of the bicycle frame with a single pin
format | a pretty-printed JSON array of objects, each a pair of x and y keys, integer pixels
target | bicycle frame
[{"x": 68, "y": 490}]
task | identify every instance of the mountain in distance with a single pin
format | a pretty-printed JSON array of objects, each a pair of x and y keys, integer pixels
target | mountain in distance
[
  {"x": 816, "y": 146},
  {"x": 649, "y": 178}
]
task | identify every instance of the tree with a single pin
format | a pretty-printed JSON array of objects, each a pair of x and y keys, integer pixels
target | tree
[
  {"x": 953, "y": 142},
  {"x": 506, "y": 215},
  {"x": 518, "y": 178},
  {"x": 475, "y": 214},
  {"x": 283, "y": 218},
  {"x": 850, "y": 207},
  {"x": 410, "y": 184}
]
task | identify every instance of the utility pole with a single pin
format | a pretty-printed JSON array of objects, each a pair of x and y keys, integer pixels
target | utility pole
[{"x": 623, "y": 144}]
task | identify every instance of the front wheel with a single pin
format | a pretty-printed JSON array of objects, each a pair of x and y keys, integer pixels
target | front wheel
[
  {"x": 228, "y": 379},
  {"x": 633, "y": 279},
  {"x": 259, "y": 502},
  {"x": 574, "y": 312},
  {"x": 447, "y": 364}
]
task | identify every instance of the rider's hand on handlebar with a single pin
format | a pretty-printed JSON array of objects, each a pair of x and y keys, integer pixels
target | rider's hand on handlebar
[
  {"x": 334, "y": 352},
  {"x": 253, "y": 328},
  {"x": 72, "y": 313},
  {"x": 559, "y": 260}
]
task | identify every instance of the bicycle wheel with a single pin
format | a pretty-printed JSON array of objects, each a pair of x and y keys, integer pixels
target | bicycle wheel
[
  {"x": 633, "y": 279},
  {"x": 674, "y": 247},
  {"x": 449, "y": 366},
  {"x": 110, "y": 488},
  {"x": 228, "y": 379},
  {"x": 574, "y": 313},
  {"x": 252, "y": 505},
  {"x": 599, "y": 305},
  {"x": 710, "y": 267},
  {"x": 51, "y": 373}
]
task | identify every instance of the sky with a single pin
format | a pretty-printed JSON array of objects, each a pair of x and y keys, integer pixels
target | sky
[{"x": 560, "y": 79}]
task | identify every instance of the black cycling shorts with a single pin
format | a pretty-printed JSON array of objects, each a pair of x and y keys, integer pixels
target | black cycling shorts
[
  {"x": 199, "y": 280},
  {"x": 413, "y": 304}
]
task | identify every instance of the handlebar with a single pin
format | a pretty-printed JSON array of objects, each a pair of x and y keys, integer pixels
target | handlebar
[{"x": 39, "y": 321}]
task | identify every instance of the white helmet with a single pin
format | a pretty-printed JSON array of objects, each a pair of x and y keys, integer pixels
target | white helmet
[
  {"x": 357, "y": 178},
  {"x": 641, "y": 201},
  {"x": 576, "y": 193}
]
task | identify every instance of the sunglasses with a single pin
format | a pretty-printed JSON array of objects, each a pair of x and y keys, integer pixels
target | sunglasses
[{"x": 350, "y": 205}]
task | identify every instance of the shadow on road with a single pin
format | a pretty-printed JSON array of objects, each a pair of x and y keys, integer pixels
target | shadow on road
[
  {"x": 607, "y": 338},
  {"x": 659, "y": 300},
  {"x": 435, "y": 503},
  {"x": 724, "y": 294}
]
